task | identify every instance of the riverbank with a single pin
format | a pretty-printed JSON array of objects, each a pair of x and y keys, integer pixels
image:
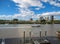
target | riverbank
[{"x": 16, "y": 21}]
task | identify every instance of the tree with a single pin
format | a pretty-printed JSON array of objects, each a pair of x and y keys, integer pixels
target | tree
[
  {"x": 41, "y": 19},
  {"x": 15, "y": 19}
]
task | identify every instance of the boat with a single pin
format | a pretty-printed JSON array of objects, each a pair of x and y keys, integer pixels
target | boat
[
  {"x": 36, "y": 26},
  {"x": 6, "y": 24}
]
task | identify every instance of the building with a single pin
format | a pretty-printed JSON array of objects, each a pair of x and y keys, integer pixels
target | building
[{"x": 52, "y": 19}]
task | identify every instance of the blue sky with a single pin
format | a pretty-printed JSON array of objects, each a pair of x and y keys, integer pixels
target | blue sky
[{"x": 26, "y": 9}]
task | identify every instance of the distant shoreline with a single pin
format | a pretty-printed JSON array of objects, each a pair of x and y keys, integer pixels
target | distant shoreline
[{"x": 16, "y": 21}]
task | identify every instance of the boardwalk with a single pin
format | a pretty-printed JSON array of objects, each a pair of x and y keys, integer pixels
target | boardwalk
[{"x": 36, "y": 40}]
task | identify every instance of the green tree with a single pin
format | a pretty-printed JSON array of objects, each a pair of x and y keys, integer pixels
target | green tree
[{"x": 15, "y": 19}]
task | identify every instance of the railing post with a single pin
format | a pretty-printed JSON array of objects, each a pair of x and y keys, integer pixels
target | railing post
[
  {"x": 40, "y": 34},
  {"x": 24, "y": 38},
  {"x": 45, "y": 33},
  {"x": 30, "y": 36}
]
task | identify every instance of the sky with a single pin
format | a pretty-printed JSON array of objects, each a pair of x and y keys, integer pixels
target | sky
[{"x": 26, "y": 9}]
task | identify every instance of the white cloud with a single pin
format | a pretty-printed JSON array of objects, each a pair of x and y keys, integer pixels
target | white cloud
[
  {"x": 36, "y": 16},
  {"x": 46, "y": 14},
  {"x": 6, "y": 17},
  {"x": 24, "y": 5},
  {"x": 50, "y": 13},
  {"x": 24, "y": 13},
  {"x": 53, "y": 2},
  {"x": 27, "y": 3},
  {"x": 39, "y": 8},
  {"x": 29, "y": 14},
  {"x": 45, "y": 0}
]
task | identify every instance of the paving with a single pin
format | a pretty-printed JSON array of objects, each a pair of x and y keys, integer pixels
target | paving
[{"x": 52, "y": 40}]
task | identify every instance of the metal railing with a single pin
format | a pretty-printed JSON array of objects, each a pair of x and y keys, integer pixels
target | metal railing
[{"x": 25, "y": 41}]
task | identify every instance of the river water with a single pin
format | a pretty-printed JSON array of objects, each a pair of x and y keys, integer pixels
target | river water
[{"x": 16, "y": 30}]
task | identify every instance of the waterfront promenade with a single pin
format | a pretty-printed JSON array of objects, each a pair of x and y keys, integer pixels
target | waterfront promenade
[
  {"x": 26, "y": 35},
  {"x": 31, "y": 40}
]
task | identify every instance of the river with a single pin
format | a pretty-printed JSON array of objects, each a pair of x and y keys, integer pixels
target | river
[{"x": 16, "y": 30}]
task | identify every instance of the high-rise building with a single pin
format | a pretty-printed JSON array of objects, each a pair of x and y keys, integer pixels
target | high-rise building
[
  {"x": 52, "y": 19},
  {"x": 41, "y": 18}
]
